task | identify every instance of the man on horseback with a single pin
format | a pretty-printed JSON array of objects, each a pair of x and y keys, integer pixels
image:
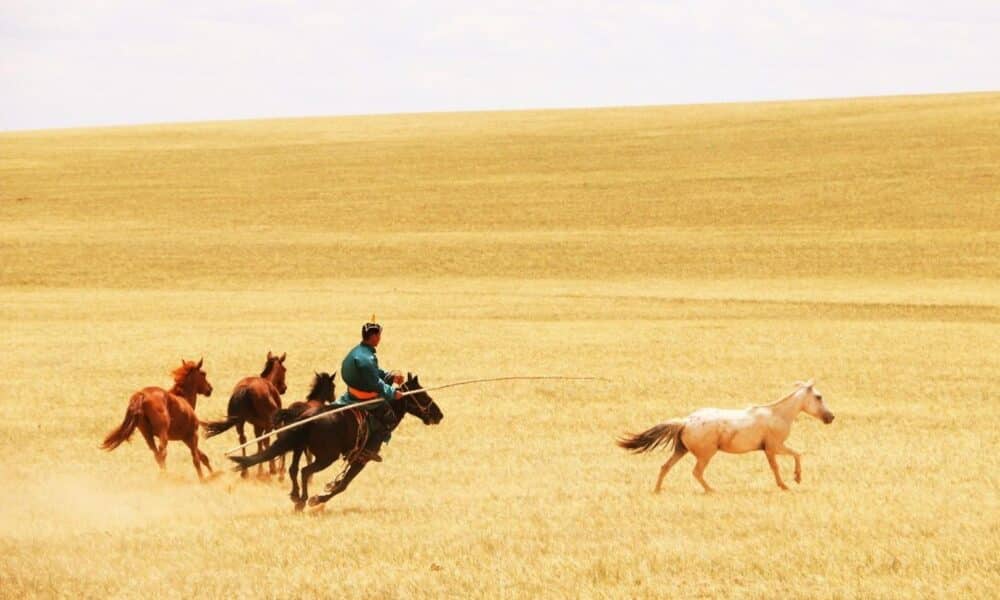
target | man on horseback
[{"x": 366, "y": 381}]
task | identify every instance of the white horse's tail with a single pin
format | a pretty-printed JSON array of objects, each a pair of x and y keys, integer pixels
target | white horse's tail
[{"x": 663, "y": 434}]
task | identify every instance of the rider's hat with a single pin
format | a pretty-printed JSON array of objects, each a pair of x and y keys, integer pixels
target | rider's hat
[{"x": 370, "y": 327}]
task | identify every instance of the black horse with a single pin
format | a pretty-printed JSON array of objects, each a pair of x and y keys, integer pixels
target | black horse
[{"x": 335, "y": 435}]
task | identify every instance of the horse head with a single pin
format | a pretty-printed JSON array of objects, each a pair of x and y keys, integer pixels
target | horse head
[
  {"x": 420, "y": 404},
  {"x": 324, "y": 388},
  {"x": 274, "y": 371},
  {"x": 191, "y": 377},
  {"x": 813, "y": 402}
]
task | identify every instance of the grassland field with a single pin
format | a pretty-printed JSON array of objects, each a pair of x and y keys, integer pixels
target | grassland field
[{"x": 693, "y": 255}]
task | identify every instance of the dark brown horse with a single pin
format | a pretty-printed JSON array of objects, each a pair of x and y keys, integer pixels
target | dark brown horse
[
  {"x": 161, "y": 415},
  {"x": 333, "y": 436},
  {"x": 255, "y": 400},
  {"x": 322, "y": 393}
]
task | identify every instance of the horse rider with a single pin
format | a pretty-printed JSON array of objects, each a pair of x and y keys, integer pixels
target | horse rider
[{"x": 366, "y": 381}]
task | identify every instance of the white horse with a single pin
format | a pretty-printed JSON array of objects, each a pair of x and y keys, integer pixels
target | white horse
[{"x": 708, "y": 430}]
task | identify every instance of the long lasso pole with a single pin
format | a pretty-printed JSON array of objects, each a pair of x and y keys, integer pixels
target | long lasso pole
[
  {"x": 303, "y": 421},
  {"x": 408, "y": 393}
]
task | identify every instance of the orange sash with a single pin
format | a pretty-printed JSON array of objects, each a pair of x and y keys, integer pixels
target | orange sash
[{"x": 360, "y": 395}]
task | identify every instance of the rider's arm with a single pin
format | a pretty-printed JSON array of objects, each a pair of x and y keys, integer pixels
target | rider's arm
[{"x": 374, "y": 377}]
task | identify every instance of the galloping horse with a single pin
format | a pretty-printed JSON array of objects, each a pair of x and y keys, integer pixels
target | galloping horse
[
  {"x": 162, "y": 415},
  {"x": 322, "y": 393},
  {"x": 336, "y": 435},
  {"x": 255, "y": 400},
  {"x": 708, "y": 430}
]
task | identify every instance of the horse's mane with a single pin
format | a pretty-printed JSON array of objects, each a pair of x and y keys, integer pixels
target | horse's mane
[
  {"x": 321, "y": 394},
  {"x": 269, "y": 366},
  {"x": 777, "y": 402},
  {"x": 181, "y": 372}
]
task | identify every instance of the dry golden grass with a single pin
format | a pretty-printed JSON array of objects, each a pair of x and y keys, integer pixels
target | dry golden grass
[{"x": 696, "y": 256}]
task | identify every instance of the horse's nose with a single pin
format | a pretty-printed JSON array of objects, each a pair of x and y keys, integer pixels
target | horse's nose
[{"x": 828, "y": 419}]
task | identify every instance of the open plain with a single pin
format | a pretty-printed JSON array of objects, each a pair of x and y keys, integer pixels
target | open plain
[{"x": 693, "y": 255}]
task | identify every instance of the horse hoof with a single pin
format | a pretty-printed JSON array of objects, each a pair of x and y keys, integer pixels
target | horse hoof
[
  {"x": 314, "y": 501},
  {"x": 299, "y": 506}
]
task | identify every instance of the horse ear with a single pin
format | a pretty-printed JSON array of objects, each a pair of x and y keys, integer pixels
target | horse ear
[
  {"x": 283, "y": 355},
  {"x": 200, "y": 361},
  {"x": 409, "y": 376},
  {"x": 269, "y": 355},
  {"x": 809, "y": 383},
  {"x": 334, "y": 376}
]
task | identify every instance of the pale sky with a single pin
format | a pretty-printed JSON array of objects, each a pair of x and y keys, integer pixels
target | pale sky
[{"x": 77, "y": 63}]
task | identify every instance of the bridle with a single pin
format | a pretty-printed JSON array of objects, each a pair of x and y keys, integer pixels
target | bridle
[{"x": 425, "y": 409}]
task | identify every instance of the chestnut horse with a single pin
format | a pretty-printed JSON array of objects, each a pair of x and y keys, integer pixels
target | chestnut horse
[
  {"x": 708, "y": 430},
  {"x": 255, "y": 400},
  {"x": 161, "y": 416}
]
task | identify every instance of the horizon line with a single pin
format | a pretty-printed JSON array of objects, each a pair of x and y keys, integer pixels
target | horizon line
[{"x": 351, "y": 115}]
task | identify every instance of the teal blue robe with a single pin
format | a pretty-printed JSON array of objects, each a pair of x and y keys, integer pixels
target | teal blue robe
[{"x": 360, "y": 371}]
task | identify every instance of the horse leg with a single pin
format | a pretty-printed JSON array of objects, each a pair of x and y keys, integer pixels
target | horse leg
[
  {"x": 676, "y": 456},
  {"x": 699, "y": 469},
  {"x": 341, "y": 484},
  {"x": 192, "y": 444},
  {"x": 318, "y": 465},
  {"x": 157, "y": 422},
  {"x": 771, "y": 453},
  {"x": 243, "y": 440},
  {"x": 293, "y": 473},
  {"x": 204, "y": 460},
  {"x": 257, "y": 432},
  {"x": 161, "y": 450},
  {"x": 147, "y": 435},
  {"x": 266, "y": 443},
  {"x": 278, "y": 463},
  {"x": 798, "y": 460}
]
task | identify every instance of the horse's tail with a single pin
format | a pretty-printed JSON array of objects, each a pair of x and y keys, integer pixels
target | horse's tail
[
  {"x": 217, "y": 427},
  {"x": 233, "y": 414},
  {"x": 285, "y": 443},
  {"x": 124, "y": 431},
  {"x": 663, "y": 434}
]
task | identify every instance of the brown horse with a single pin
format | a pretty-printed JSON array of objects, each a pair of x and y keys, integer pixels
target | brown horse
[
  {"x": 322, "y": 393},
  {"x": 255, "y": 400},
  {"x": 161, "y": 415}
]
